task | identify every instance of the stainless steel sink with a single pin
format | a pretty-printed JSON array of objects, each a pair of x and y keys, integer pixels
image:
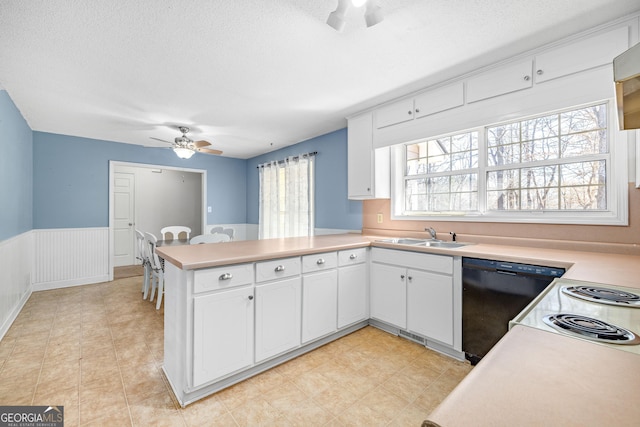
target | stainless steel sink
[
  {"x": 447, "y": 245},
  {"x": 424, "y": 242},
  {"x": 402, "y": 241}
]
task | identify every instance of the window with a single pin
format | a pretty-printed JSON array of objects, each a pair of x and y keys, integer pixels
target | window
[
  {"x": 286, "y": 198},
  {"x": 559, "y": 164}
]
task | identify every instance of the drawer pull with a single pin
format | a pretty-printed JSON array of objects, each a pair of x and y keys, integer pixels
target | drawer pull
[
  {"x": 353, "y": 256},
  {"x": 250, "y": 297},
  {"x": 279, "y": 268},
  {"x": 320, "y": 261},
  {"x": 226, "y": 276}
]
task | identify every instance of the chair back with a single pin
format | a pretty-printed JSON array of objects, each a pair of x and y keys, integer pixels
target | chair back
[
  {"x": 173, "y": 232},
  {"x": 230, "y": 232},
  {"x": 210, "y": 238},
  {"x": 154, "y": 260},
  {"x": 215, "y": 230},
  {"x": 141, "y": 252}
]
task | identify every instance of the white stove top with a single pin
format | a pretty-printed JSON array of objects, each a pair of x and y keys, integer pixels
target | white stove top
[{"x": 553, "y": 301}]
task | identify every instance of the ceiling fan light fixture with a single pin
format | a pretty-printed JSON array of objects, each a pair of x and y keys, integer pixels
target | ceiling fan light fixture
[
  {"x": 183, "y": 152},
  {"x": 336, "y": 18},
  {"x": 358, "y": 3}
]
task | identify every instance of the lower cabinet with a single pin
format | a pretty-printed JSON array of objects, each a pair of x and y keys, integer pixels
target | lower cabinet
[
  {"x": 278, "y": 317},
  {"x": 389, "y": 294},
  {"x": 222, "y": 333},
  {"x": 353, "y": 303},
  {"x": 430, "y": 305},
  {"x": 319, "y": 304}
]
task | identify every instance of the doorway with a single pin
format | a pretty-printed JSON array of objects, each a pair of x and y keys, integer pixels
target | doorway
[{"x": 149, "y": 197}]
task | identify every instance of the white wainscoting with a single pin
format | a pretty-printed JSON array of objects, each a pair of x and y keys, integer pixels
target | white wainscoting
[
  {"x": 69, "y": 257},
  {"x": 15, "y": 278}
]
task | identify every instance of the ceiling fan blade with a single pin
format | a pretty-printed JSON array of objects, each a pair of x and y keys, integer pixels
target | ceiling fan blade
[
  {"x": 208, "y": 151},
  {"x": 161, "y": 140},
  {"x": 201, "y": 143}
]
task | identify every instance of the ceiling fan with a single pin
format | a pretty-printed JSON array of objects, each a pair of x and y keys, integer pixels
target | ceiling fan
[{"x": 184, "y": 147}]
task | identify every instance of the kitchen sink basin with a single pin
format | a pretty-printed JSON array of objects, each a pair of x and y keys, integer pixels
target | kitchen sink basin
[{"x": 433, "y": 243}]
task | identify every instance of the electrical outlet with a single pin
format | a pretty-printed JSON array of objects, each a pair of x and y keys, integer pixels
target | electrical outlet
[{"x": 379, "y": 218}]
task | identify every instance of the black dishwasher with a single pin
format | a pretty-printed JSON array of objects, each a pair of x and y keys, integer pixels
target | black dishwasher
[{"x": 493, "y": 293}]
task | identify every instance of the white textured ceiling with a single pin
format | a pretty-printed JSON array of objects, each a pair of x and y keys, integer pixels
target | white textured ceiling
[{"x": 252, "y": 76}]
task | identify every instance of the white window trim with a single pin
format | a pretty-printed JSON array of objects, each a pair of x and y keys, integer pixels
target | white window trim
[{"x": 617, "y": 191}]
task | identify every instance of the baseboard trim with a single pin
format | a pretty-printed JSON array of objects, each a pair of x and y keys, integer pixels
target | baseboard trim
[
  {"x": 46, "y": 286},
  {"x": 14, "y": 314}
]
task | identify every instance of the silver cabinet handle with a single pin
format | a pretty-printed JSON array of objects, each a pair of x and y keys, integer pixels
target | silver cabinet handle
[
  {"x": 409, "y": 112},
  {"x": 417, "y": 110},
  {"x": 225, "y": 276},
  {"x": 402, "y": 276},
  {"x": 250, "y": 297},
  {"x": 320, "y": 261},
  {"x": 353, "y": 256},
  {"x": 527, "y": 78},
  {"x": 279, "y": 268},
  {"x": 410, "y": 278},
  {"x": 539, "y": 72}
]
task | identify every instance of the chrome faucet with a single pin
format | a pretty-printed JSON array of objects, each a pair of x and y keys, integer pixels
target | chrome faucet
[{"x": 432, "y": 232}]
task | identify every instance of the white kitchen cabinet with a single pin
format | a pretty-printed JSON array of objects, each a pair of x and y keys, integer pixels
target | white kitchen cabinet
[
  {"x": 319, "y": 304},
  {"x": 499, "y": 81},
  {"x": 389, "y": 294},
  {"x": 421, "y": 105},
  {"x": 430, "y": 305},
  {"x": 278, "y": 317},
  {"x": 368, "y": 170},
  {"x": 222, "y": 333},
  {"x": 353, "y": 304},
  {"x": 581, "y": 55}
]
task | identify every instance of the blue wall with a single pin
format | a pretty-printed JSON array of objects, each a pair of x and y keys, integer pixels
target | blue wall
[
  {"x": 16, "y": 170},
  {"x": 333, "y": 208},
  {"x": 71, "y": 180}
]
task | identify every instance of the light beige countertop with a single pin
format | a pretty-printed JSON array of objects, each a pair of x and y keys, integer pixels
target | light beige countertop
[
  {"x": 536, "y": 378},
  {"x": 531, "y": 377}
]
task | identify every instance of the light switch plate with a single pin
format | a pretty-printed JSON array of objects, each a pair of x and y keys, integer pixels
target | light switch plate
[{"x": 208, "y": 209}]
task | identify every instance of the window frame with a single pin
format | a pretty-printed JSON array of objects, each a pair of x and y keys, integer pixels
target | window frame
[{"x": 616, "y": 188}]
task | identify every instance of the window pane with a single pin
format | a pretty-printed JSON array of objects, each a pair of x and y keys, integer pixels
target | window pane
[
  {"x": 541, "y": 177},
  {"x": 586, "y": 143},
  {"x": 588, "y": 197},
  {"x": 584, "y": 119},
  {"x": 503, "y": 134},
  {"x": 503, "y": 200},
  {"x": 540, "y": 149},
  {"x": 540, "y": 198},
  {"x": 504, "y": 155},
  {"x": 439, "y": 164},
  {"x": 541, "y": 127},
  {"x": 503, "y": 179}
]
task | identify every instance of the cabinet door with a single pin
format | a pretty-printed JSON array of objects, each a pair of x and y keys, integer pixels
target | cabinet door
[
  {"x": 360, "y": 156},
  {"x": 398, "y": 112},
  {"x": 319, "y": 304},
  {"x": 389, "y": 294},
  {"x": 277, "y": 317},
  {"x": 222, "y": 333},
  {"x": 509, "y": 78},
  {"x": 581, "y": 55},
  {"x": 352, "y": 294},
  {"x": 440, "y": 99},
  {"x": 430, "y": 305}
]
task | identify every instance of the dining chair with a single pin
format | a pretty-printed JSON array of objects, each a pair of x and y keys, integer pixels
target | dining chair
[
  {"x": 210, "y": 238},
  {"x": 157, "y": 272},
  {"x": 215, "y": 230},
  {"x": 230, "y": 232},
  {"x": 174, "y": 231},
  {"x": 144, "y": 259}
]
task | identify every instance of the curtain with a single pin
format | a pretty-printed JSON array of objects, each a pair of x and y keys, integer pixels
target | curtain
[{"x": 286, "y": 198}]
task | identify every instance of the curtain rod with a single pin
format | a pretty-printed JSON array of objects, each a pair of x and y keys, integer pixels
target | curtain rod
[{"x": 313, "y": 153}]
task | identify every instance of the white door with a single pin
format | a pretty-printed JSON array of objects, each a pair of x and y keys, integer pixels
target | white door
[
  {"x": 352, "y": 294},
  {"x": 430, "y": 305},
  {"x": 278, "y": 307},
  {"x": 222, "y": 333},
  {"x": 319, "y": 304},
  {"x": 389, "y": 294},
  {"x": 123, "y": 219}
]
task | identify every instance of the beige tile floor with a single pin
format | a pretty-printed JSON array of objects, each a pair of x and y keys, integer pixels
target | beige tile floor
[{"x": 97, "y": 350}]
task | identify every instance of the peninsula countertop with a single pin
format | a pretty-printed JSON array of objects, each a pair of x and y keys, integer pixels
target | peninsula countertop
[{"x": 530, "y": 377}]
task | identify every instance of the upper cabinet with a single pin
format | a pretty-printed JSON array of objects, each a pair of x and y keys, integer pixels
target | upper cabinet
[
  {"x": 499, "y": 81},
  {"x": 368, "y": 169},
  {"x": 422, "y": 105},
  {"x": 581, "y": 55}
]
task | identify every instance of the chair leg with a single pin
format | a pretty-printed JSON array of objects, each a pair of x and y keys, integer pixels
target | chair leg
[
  {"x": 154, "y": 276},
  {"x": 160, "y": 289},
  {"x": 145, "y": 283}
]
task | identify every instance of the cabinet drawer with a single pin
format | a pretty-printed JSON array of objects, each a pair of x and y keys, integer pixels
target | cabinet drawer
[
  {"x": 352, "y": 256},
  {"x": 431, "y": 262},
  {"x": 319, "y": 262},
  {"x": 277, "y": 269},
  {"x": 212, "y": 279}
]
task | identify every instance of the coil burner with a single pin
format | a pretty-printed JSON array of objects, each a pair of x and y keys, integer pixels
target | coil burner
[{"x": 591, "y": 329}]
